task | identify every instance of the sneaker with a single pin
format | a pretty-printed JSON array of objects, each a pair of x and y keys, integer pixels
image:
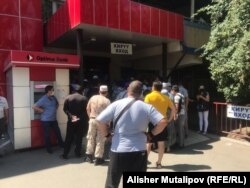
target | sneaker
[
  {"x": 204, "y": 133},
  {"x": 99, "y": 161}
]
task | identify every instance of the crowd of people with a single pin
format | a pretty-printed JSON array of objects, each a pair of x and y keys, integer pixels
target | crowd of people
[{"x": 135, "y": 118}]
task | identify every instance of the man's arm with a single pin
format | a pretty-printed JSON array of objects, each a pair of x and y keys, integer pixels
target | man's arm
[
  {"x": 103, "y": 128},
  {"x": 38, "y": 109},
  {"x": 173, "y": 111},
  {"x": 38, "y": 106},
  {"x": 159, "y": 127},
  {"x": 66, "y": 108},
  {"x": 6, "y": 115},
  {"x": 88, "y": 108},
  {"x": 103, "y": 121}
]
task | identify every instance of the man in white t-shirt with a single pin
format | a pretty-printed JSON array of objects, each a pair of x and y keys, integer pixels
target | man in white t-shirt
[
  {"x": 179, "y": 118},
  {"x": 184, "y": 92}
]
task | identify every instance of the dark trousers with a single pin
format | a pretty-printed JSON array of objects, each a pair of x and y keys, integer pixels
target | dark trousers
[
  {"x": 46, "y": 127},
  {"x": 2, "y": 126},
  {"x": 74, "y": 131},
  {"x": 124, "y": 162}
]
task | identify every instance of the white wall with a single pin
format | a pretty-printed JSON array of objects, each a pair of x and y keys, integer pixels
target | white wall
[
  {"x": 19, "y": 93},
  {"x": 61, "y": 91}
]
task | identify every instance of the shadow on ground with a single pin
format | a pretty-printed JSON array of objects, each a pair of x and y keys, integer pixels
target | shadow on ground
[
  {"x": 28, "y": 161},
  {"x": 21, "y": 162},
  {"x": 184, "y": 167}
]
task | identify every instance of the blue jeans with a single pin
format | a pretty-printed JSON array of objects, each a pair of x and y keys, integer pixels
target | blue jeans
[{"x": 46, "y": 127}]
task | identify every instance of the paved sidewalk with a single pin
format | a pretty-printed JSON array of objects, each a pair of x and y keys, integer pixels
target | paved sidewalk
[{"x": 38, "y": 169}]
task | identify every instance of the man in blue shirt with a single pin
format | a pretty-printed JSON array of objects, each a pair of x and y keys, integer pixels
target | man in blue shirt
[
  {"x": 128, "y": 149},
  {"x": 47, "y": 105}
]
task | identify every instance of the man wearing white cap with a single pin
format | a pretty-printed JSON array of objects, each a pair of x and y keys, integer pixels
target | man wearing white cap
[
  {"x": 166, "y": 88},
  {"x": 96, "y": 141}
]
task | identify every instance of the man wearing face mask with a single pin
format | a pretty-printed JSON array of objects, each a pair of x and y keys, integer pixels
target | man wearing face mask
[{"x": 47, "y": 105}]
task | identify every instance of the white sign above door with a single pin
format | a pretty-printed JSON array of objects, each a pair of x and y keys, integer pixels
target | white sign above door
[{"x": 121, "y": 48}]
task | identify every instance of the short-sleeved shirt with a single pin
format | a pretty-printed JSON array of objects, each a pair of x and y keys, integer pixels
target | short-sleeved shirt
[
  {"x": 97, "y": 104},
  {"x": 183, "y": 91},
  {"x": 76, "y": 104},
  {"x": 129, "y": 133},
  {"x": 3, "y": 106},
  {"x": 160, "y": 101},
  {"x": 49, "y": 105},
  {"x": 179, "y": 98}
]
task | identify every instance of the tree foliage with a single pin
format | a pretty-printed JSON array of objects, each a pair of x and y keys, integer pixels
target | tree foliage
[{"x": 228, "y": 48}]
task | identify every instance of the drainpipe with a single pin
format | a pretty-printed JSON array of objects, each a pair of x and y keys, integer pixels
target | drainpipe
[
  {"x": 176, "y": 65},
  {"x": 192, "y": 9},
  {"x": 164, "y": 59},
  {"x": 178, "y": 62}
]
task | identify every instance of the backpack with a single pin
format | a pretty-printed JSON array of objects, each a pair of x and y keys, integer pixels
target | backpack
[{"x": 180, "y": 103}]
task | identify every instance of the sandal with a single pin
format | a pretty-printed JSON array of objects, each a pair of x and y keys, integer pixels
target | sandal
[{"x": 158, "y": 165}]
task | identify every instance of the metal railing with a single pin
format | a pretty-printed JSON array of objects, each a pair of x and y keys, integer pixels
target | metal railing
[{"x": 224, "y": 125}]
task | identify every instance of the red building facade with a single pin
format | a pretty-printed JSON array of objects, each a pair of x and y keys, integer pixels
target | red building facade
[{"x": 21, "y": 29}]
